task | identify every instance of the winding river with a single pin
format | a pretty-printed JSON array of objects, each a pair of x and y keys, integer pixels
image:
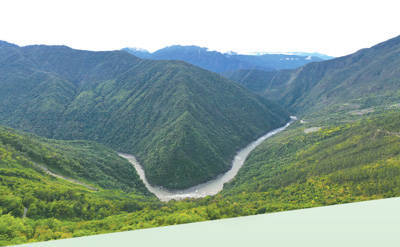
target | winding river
[{"x": 211, "y": 187}]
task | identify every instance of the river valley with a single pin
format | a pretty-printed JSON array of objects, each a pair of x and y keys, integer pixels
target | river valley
[{"x": 211, "y": 187}]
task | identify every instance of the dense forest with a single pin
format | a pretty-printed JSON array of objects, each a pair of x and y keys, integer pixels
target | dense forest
[
  {"x": 28, "y": 191},
  {"x": 183, "y": 123},
  {"x": 338, "y": 163}
]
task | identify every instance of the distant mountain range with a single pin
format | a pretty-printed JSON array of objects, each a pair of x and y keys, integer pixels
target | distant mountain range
[
  {"x": 226, "y": 62},
  {"x": 366, "y": 77},
  {"x": 183, "y": 123}
]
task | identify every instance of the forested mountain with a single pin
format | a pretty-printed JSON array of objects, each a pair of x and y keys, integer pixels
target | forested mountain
[
  {"x": 339, "y": 163},
  {"x": 328, "y": 162},
  {"x": 368, "y": 76},
  {"x": 346, "y": 141},
  {"x": 50, "y": 178},
  {"x": 183, "y": 123},
  {"x": 44, "y": 182},
  {"x": 85, "y": 162},
  {"x": 225, "y": 62}
]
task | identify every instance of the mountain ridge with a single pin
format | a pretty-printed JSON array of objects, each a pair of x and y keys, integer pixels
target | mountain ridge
[
  {"x": 330, "y": 82},
  {"x": 147, "y": 108},
  {"x": 224, "y": 62}
]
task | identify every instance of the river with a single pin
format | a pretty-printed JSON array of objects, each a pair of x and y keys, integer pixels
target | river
[{"x": 211, "y": 187}]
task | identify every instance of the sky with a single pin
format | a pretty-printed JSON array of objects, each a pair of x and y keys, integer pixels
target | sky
[{"x": 334, "y": 28}]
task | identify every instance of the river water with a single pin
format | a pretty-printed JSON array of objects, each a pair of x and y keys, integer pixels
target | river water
[{"x": 211, "y": 187}]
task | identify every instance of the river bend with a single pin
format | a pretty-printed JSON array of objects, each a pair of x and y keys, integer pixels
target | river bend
[{"x": 211, "y": 187}]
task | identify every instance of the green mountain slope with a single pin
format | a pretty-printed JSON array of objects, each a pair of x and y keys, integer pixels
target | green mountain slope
[
  {"x": 83, "y": 161},
  {"x": 340, "y": 163},
  {"x": 344, "y": 149},
  {"x": 368, "y": 75},
  {"x": 337, "y": 163},
  {"x": 96, "y": 183},
  {"x": 255, "y": 80},
  {"x": 81, "y": 173},
  {"x": 183, "y": 123}
]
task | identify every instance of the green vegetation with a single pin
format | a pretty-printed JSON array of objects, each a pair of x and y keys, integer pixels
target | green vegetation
[
  {"x": 340, "y": 163},
  {"x": 24, "y": 184},
  {"x": 349, "y": 160},
  {"x": 369, "y": 73},
  {"x": 80, "y": 160},
  {"x": 183, "y": 123},
  {"x": 255, "y": 80}
]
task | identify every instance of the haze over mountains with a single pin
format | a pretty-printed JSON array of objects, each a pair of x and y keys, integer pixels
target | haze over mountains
[
  {"x": 183, "y": 123},
  {"x": 226, "y": 62}
]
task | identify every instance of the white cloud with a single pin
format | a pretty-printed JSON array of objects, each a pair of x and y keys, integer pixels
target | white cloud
[{"x": 335, "y": 27}]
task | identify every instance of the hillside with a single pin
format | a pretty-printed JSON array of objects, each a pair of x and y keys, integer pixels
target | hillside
[
  {"x": 340, "y": 163},
  {"x": 346, "y": 139},
  {"x": 317, "y": 163},
  {"x": 84, "y": 161},
  {"x": 367, "y": 77},
  {"x": 90, "y": 171},
  {"x": 96, "y": 183},
  {"x": 255, "y": 80},
  {"x": 225, "y": 62},
  {"x": 183, "y": 123}
]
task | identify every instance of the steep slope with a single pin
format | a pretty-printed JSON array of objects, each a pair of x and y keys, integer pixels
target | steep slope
[
  {"x": 255, "y": 80},
  {"x": 334, "y": 163},
  {"x": 183, "y": 123},
  {"x": 366, "y": 77},
  {"x": 224, "y": 62},
  {"x": 32, "y": 195},
  {"x": 38, "y": 82},
  {"x": 347, "y": 139},
  {"x": 82, "y": 161},
  {"x": 25, "y": 182},
  {"x": 358, "y": 161},
  {"x": 174, "y": 118}
]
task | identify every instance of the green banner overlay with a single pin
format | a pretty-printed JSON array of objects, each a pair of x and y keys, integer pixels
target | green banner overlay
[{"x": 371, "y": 223}]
